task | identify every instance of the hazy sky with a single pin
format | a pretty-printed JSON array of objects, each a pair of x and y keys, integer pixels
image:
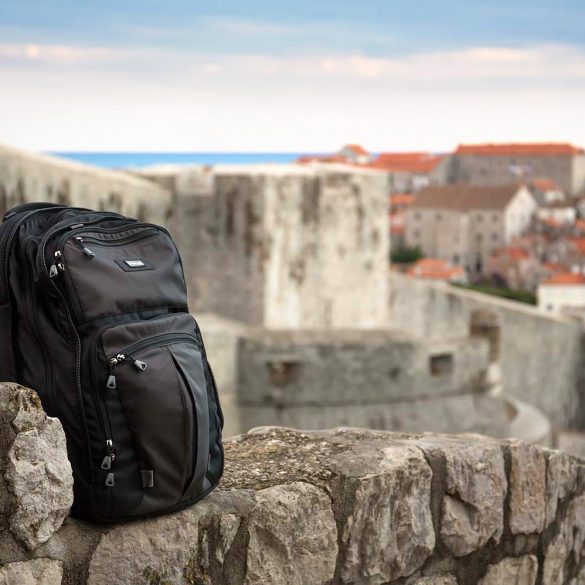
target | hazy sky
[{"x": 289, "y": 76}]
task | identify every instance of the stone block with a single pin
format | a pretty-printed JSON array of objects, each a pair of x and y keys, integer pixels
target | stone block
[{"x": 36, "y": 483}]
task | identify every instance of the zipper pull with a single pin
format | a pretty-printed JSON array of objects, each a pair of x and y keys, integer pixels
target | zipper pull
[
  {"x": 111, "y": 384},
  {"x": 57, "y": 265},
  {"x": 140, "y": 365},
  {"x": 110, "y": 479},
  {"x": 84, "y": 249},
  {"x": 110, "y": 455}
]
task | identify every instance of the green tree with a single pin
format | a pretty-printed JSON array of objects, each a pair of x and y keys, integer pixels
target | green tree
[{"x": 405, "y": 255}]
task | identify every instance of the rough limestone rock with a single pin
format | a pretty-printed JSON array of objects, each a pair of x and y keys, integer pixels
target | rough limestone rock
[
  {"x": 527, "y": 489},
  {"x": 279, "y": 535},
  {"x": 437, "y": 580},
  {"x": 561, "y": 481},
  {"x": 36, "y": 483},
  {"x": 340, "y": 507},
  {"x": 387, "y": 531},
  {"x": 566, "y": 544},
  {"x": 476, "y": 487},
  {"x": 35, "y": 572},
  {"x": 512, "y": 571},
  {"x": 293, "y": 537}
]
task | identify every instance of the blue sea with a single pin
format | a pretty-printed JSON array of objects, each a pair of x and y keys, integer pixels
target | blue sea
[{"x": 116, "y": 160}]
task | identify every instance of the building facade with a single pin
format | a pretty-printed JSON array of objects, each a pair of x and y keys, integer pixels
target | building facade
[
  {"x": 562, "y": 291},
  {"x": 464, "y": 224},
  {"x": 497, "y": 164}
]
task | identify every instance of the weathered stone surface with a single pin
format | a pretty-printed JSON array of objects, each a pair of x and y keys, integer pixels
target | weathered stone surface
[
  {"x": 288, "y": 536},
  {"x": 527, "y": 488},
  {"x": 567, "y": 542},
  {"x": 35, "y": 572},
  {"x": 512, "y": 571},
  {"x": 176, "y": 549},
  {"x": 437, "y": 580},
  {"x": 473, "y": 505},
  {"x": 341, "y": 507},
  {"x": 293, "y": 537},
  {"x": 386, "y": 528},
  {"x": 36, "y": 490},
  {"x": 561, "y": 479}
]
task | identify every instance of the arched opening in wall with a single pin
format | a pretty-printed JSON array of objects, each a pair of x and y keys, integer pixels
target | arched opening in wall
[{"x": 486, "y": 325}]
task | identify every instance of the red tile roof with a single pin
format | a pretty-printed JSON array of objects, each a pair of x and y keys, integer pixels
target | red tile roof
[
  {"x": 357, "y": 149},
  {"x": 565, "y": 278},
  {"x": 544, "y": 184},
  {"x": 401, "y": 199},
  {"x": 522, "y": 149},
  {"x": 579, "y": 243},
  {"x": 327, "y": 158},
  {"x": 554, "y": 267},
  {"x": 464, "y": 196},
  {"x": 512, "y": 252},
  {"x": 434, "y": 269},
  {"x": 407, "y": 162}
]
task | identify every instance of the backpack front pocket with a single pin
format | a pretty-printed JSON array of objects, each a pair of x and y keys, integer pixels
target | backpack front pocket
[
  {"x": 155, "y": 385},
  {"x": 105, "y": 272}
]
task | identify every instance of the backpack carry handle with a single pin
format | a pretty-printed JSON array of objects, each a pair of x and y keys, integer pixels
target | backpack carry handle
[{"x": 26, "y": 207}]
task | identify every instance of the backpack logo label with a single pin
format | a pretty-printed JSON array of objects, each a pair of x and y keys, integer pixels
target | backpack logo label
[{"x": 134, "y": 264}]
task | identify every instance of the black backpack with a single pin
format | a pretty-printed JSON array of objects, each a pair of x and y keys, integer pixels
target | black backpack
[{"x": 94, "y": 317}]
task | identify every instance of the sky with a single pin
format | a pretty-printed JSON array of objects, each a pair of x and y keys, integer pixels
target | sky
[{"x": 257, "y": 76}]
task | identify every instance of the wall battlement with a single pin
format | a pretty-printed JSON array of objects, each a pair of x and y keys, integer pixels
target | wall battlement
[{"x": 339, "y": 507}]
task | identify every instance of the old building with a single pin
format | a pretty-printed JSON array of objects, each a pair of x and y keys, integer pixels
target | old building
[
  {"x": 463, "y": 224},
  {"x": 399, "y": 203},
  {"x": 514, "y": 267},
  {"x": 497, "y": 164},
  {"x": 411, "y": 171},
  {"x": 562, "y": 291},
  {"x": 433, "y": 269}
]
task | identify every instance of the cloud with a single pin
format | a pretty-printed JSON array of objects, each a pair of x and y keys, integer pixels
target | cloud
[
  {"x": 76, "y": 97},
  {"x": 57, "y": 53}
]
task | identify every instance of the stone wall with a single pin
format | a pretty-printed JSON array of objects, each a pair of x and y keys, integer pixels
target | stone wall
[
  {"x": 540, "y": 356},
  {"x": 283, "y": 246},
  {"x": 26, "y": 177},
  {"x": 377, "y": 379},
  {"x": 340, "y": 507}
]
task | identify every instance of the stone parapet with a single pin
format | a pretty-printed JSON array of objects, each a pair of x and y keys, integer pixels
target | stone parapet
[{"x": 339, "y": 507}]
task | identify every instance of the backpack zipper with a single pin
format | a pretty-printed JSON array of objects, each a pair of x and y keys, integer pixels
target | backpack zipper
[
  {"x": 59, "y": 266},
  {"x": 156, "y": 341},
  {"x": 111, "y": 384}
]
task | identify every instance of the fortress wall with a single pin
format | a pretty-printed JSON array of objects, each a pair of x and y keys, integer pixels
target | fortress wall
[
  {"x": 284, "y": 246},
  {"x": 26, "y": 177},
  {"x": 540, "y": 356},
  {"x": 377, "y": 379},
  {"x": 339, "y": 507}
]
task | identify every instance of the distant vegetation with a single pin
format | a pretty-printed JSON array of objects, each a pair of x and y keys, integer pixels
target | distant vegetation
[
  {"x": 512, "y": 294},
  {"x": 405, "y": 255}
]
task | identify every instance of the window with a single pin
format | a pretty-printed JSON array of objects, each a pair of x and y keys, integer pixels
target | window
[
  {"x": 495, "y": 217},
  {"x": 441, "y": 364},
  {"x": 456, "y": 259},
  {"x": 417, "y": 215},
  {"x": 438, "y": 217},
  {"x": 495, "y": 237},
  {"x": 479, "y": 217},
  {"x": 479, "y": 238},
  {"x": 416, "y": 234},
  {"x": 284, "y": 373}
]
